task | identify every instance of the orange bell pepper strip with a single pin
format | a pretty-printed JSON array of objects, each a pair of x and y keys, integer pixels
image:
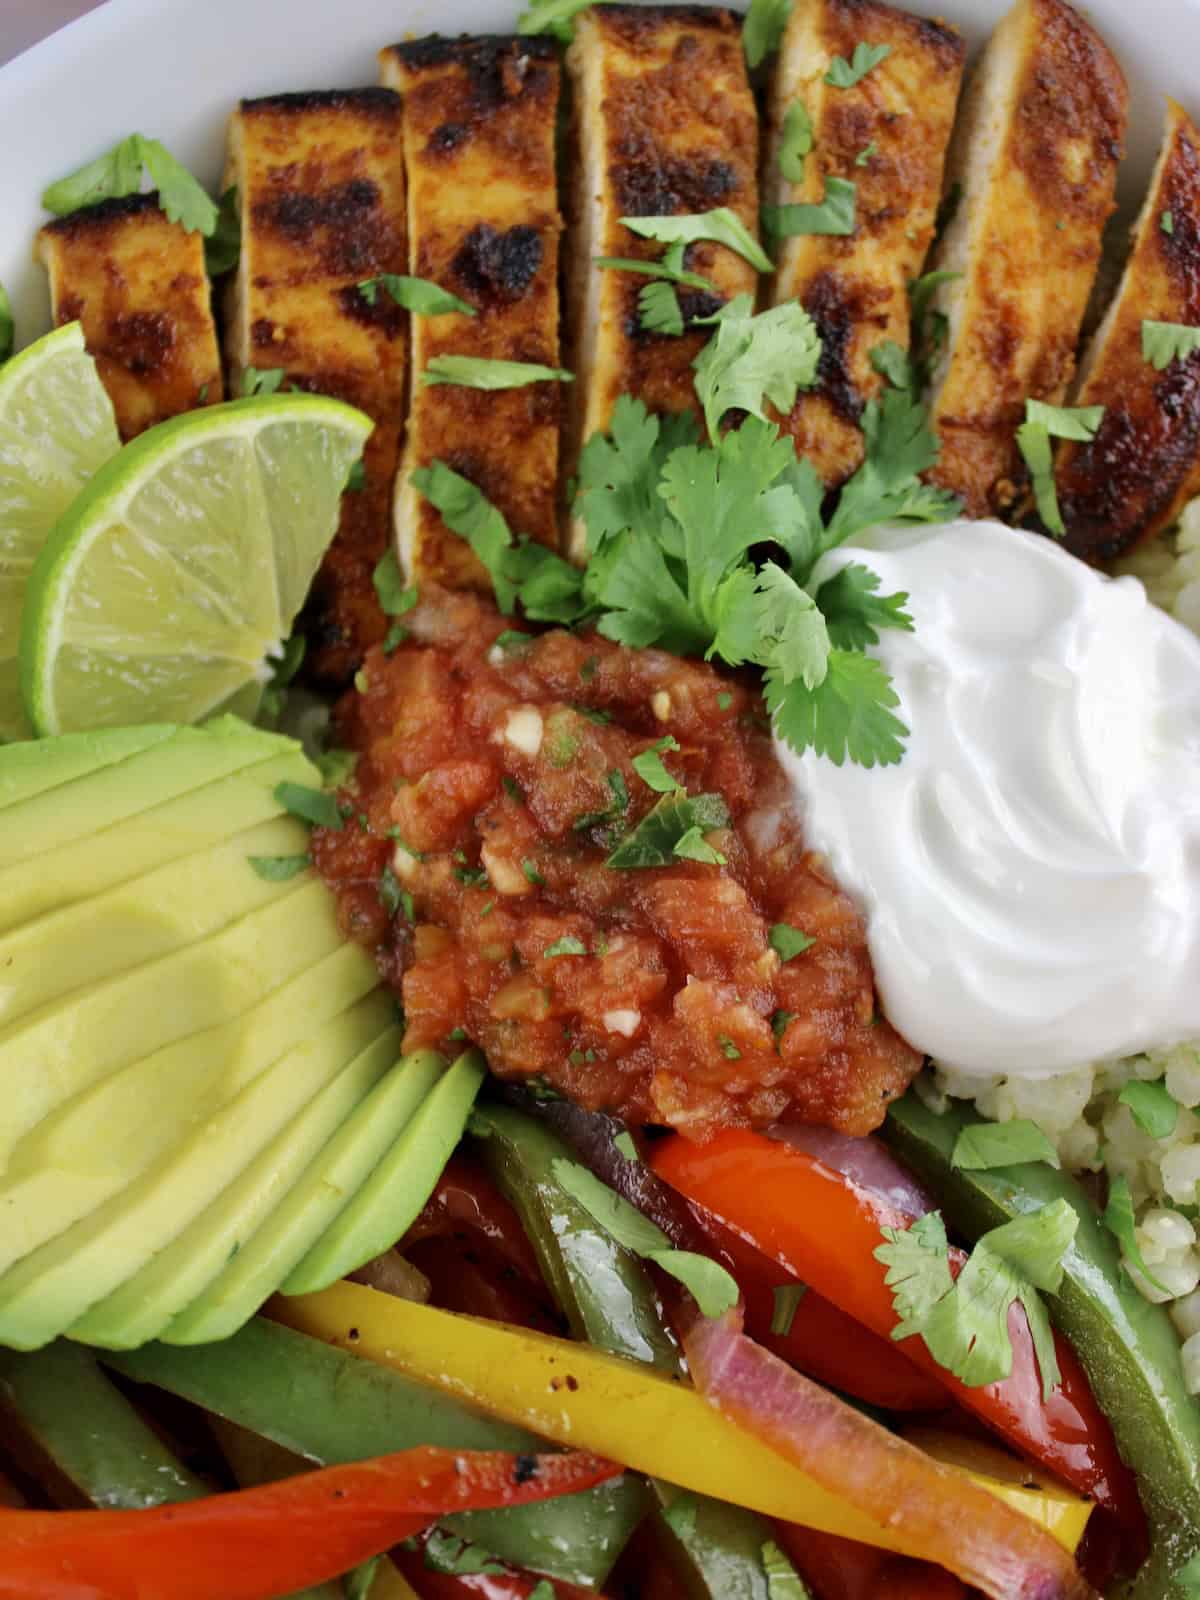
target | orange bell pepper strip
[
  {"x": 824, "y": 1228},
  {"x": 256, "y": 1544}
]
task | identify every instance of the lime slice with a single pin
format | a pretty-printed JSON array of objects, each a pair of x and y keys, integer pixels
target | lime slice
[
  {"x": 56, "y": 429},
  {"x": 175, "y": 575}
]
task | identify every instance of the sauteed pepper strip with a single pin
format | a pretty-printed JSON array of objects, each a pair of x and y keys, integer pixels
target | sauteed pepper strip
[{"x": 269, "y": 1541}]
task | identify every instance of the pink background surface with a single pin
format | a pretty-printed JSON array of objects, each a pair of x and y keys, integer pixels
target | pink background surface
[{"x": 24, "y": 22}]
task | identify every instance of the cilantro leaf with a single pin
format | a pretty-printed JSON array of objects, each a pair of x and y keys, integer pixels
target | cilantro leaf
[
  {"x": 669, "y": 267},
  {"x": 834, "y": 214},
  {"x": 278, "y": 869},
  {"x": 1118, "y": 1218},
  {"x": 719, "y": 226},
  {"x": 418, "y": 295},
  {"x": 119, "y": 172},
  {"x": 852, "y": 610},
  {"x": 848, "y": 714},
  {"x": 863, "y": 157},
  {"x": 476, "y": 372},
  {"x": 1164, "y": 342},
  {"x": 1152, "y": 1106},
  {"x": 388, "y": 582},
  {"x": 793, "y": 640},
  {"x": 223, "y": 247},
  {"x": 845, "y": 74},
  {"x": 650, "y": 769},
  {"x": 1033, "y": 441},
  {"x": 752, "y": 360},
  {"x": 693, "y": 846},
  {"x": 787, "y": 1298},
  {"x": 783, "y": 1581},
  {"x": 763, "y": 28},
  {"x": 7, "y": 326},
  {"x": 1065, "y": 422},
  {"x": 179, "y": 195},
  {"x": 789, "y": 942},
  {"x": 900, "y": 445},
  {"x": 619, "y": 471},
  {"x": 984, "y": 1145},
  {"x": 795, "y": 142},
  {"x": 313, "y": 806},
  {"x": 568, "y": 945},
  {"x": 893, "y": 363},
  {"x": 556, "y": 17},
  {"x": 659, "y": 310},
  {"x": 652, "y": 843},
  {"x": 260, "y": 380},
  {"x": 711, "y": 1286},
  {"x": 964, "y": 1322},
  {"x": 929, "y": 326}
]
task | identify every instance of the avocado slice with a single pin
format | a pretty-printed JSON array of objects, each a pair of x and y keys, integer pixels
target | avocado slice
[
  {"x": 34, "y": 766},
  {"x": 49, "y": 1290},
  {"x": 58, "y": 1052},
  {"x": 85, "y": 1443},
  {"x": 298, "y": 1222},
  {"x": 391, "y": 1198},
  {"x": 142, "y": 919},
  {"x": 61, "y": 1170},
  {"x": 129, "y": 849},
  {"x": 145, "y": 1303},
  {"x": 186, "y": 759},
  {"x": 1128, "y": 1346}
]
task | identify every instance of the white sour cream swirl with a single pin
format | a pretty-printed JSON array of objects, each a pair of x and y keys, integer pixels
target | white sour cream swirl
[{"x": 1030, "y": 872}]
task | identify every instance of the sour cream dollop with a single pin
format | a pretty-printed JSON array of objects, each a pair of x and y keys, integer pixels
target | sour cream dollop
[{"x": 1030, "y": 872}]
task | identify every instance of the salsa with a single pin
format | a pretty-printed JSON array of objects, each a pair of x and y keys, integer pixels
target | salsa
[{"x": 495, "y": 780}]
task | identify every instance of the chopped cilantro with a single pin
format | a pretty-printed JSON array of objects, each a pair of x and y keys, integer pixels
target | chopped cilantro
[
  {"x": 659, "y": 310},
  {"x": 719, "y": 226},
  {"x": 695, "y": 847},
  {"x": 456, "y": 1035},
  {"x": 652, "y": 843},
  {"x": 260, "y": 380},
  {"x": 391, "y": 896},
  {"x": 787, "y": 1302},
  {"x": 853, "y": 611},
  {"x": 417, "y": 295},
  {"x": 711, "y": 1285},
  {"x": 728, "y": 1049},
  {"x": 119, "y": 172},
  {"x": 724, "y": 701},
  {"x": 1065, "y": 422},
  {"x": 1152, "y": 1107},
  {"x": 477, "y": 372},
  {"x": 893, "y": 363},
  {"x": 336, "y": 766},
  {"x": 594, "y": 714},
  {"x": 789, "y": 942},
  {"x": 780, "y": 1021},
  {"x": 783, "y": 1581},
  {"x": 394, "y": 638},
  {"x": 865, "y": 154},
  {"x": 472, "y": 877},
  {"x": 556, "y": 17},
  {"x": 670, "y": 268},
  {"x": 1042, "y": 423},
  {"x": 845, "y": 74},
  {"x": 624, "y": 1143},
  {"x": 278, "y": 869},
  {"x": 223, "y": 247},
  {"x": 650, "y": 769},
  {"x": 984, "y": 1145},
  {"x": 795, "y": 142},
  {"x": 763, "y": 28},
  {"x": 532, "y": 873},
  {"x": 568, "y": 945},
  {"x": 1164, "y": 342},
  {"x": 445, "y": 1552},
  {"x": 1167, "y": 222},
  {"x": 964, "y": 1321},
  {"x": 389, "y": 586},
  {"x": 1119, "y": 1219},
  {"x": 512, "y": 639},
  {"x": 835, "y": 213},
  {"x": 313, "y": 806},
  {"x": 513, "y": 789},
  {"x": 753, "y": 359}
]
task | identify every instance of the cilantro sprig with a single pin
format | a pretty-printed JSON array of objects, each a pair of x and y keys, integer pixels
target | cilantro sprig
[
  {"x": 762, "y": 31},
  {"x": 718, "y": 226},
  {"x": 119, "y": 172},
  {"x": 1042, "y": 423}
]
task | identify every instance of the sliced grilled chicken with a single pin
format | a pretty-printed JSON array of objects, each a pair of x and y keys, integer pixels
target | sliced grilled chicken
[
  {"x": 1144, "y": 464},
  {"x": 1036, "y": 152},
  {"x": 479, "y": 141},
  {"x": 320, "y": 181},
  {"x": 136, "y": 281},
  {"x": 664, "y": 124},
  {"x": 888, "y": 135}
]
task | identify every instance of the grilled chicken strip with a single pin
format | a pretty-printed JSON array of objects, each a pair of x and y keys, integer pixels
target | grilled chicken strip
[
  {"x": 320, "y": 182},
  {"x": 136, "y": 281},
  {"x": 664, "y": 124},
  {"x": 479, "y": 142},
  {"x": 1144, "y": 464},
  {"x": 1036, "y": 153},
  {"x": 888, "y": 135}
]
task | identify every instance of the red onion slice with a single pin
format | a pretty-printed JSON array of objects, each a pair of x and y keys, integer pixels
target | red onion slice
[{"x": 865, "y": 1162}]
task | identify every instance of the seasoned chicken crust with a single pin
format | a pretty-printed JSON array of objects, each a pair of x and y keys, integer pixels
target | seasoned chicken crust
[
  {"x": 888, "y": 135},
  {"x": 136, "y": 282},
  {"x": 1036, "y": 152},
  {"x": 479, "y": 143},
  {"x": 664, "y": 124},
  {"x": 1134, "y": 479},
  {"x": 320, "y": 181}
]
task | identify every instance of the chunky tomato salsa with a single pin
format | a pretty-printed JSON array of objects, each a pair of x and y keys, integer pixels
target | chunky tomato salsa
[{"x": 583, "y": 858}]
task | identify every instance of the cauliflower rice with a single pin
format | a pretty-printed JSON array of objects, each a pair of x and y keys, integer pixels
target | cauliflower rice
[{"x": 1079, "y": 1110}]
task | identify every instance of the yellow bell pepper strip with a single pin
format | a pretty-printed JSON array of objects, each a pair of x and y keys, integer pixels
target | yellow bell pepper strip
[
  {"x": 579, "y": 1396},
  {"x": 260, "y": 1543}
]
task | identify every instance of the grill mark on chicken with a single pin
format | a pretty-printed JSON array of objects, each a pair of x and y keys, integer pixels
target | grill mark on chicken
[
  {"x": 497, "y": 266},
  {"x": 136, "y": 282}
]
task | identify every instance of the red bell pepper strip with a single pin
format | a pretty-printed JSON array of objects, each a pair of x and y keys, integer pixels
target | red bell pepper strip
[
  {"x": 256, "y": 1544},
  {"x": 467, "y": 1199},
  {"x": 824, "y": 1228}
]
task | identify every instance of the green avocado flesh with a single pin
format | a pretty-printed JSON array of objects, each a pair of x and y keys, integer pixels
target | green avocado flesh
[{"x": 200, "y": 1074}]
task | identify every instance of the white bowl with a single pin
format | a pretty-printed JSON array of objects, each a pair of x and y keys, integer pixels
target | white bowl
[{"x": 174, "y": 68}]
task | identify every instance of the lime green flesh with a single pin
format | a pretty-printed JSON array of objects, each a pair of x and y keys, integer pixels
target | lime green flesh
[
  {"x": 48, "y": 1058},
  {"x": 28, "y": 770},
  {"x": 63, "y": 1168},
  {"x": 184, "y": 562},
  {"x": 142, "y": 919},
  {"x": 191, "y": 822},
  {"x": 56, "y": 428},
  {"x": 48, "y": 1291},
  {"x": 323, "y": 1191},
  {"x": 391, "y": 1198},
  {"x": 147, "y": 1301}
]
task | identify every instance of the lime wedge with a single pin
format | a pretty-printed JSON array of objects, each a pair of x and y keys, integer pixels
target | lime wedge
[
  {"x": 56, "y": 429},
  {"x": 173, "y": 578}
]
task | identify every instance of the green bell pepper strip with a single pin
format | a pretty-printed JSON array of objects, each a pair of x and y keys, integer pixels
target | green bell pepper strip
[
  {"x": 333, "y": 1408},
  {"x": 1128, "y": 1347},
  {"x": 608, "y": 1300}
]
